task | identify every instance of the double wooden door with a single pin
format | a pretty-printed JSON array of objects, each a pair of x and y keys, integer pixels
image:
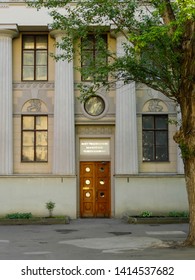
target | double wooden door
[{"x": 95, "y": 189}]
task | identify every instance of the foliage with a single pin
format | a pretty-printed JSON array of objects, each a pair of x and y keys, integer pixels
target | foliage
[
  {"x": 19, "y": 216},
  {"x": 50, "y": 206},
  {"x": 153, "y": 51},
  {"x": 183, "y": 214},
  {"x": 146, "y": 214}
]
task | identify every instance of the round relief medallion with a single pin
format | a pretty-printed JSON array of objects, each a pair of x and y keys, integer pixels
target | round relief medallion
[{"x": 94, "y": 106}]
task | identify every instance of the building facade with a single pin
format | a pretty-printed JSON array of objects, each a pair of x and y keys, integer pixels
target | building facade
[{"x": 108, "y": 156}]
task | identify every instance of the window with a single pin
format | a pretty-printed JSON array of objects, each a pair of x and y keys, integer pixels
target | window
[
  {"x": 34, "y": 57},
  {"x": 94, "y": 55},
  {"x": 34, "y": 138},
  {"x": 155, "y": 137}
]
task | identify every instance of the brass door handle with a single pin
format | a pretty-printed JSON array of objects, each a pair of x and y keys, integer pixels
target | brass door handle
[{"x": 96, "y": 194}]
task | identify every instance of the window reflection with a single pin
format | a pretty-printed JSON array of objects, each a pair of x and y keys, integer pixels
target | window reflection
[
  {"x": 35, "y": 56},
  {"x": 155, "y": 137},
  {"x": 34, "y": 138}
]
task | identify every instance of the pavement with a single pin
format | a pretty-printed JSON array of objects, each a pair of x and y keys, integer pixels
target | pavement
[{"x": 95, "y": 239}]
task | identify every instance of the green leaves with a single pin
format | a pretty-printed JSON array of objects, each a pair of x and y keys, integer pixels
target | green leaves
[
  {"x": 186, "y": 9},
  {"x": 19, "y": 216},
  {"x": 154, "y": 32}
]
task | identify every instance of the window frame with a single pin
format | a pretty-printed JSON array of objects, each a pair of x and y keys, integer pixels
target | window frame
[
  {"x": 92, "y": 50},
  {"x": 155, "y": 130},
  {"x": 34, "y": 50},
  {"x": 35, "y": 131}
]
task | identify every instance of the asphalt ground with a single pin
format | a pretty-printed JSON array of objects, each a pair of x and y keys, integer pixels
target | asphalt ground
[{"x": 95, "y": 239}]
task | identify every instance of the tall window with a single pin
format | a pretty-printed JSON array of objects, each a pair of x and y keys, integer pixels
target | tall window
[
  {"x": 155, "y": 137},
  {"x": 94, "y": 55},
  {"x": 34, "y": 138},
  {"x": 34, "y": 57}
]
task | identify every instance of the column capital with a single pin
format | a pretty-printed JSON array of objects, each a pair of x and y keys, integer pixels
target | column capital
[
  {"x": 115, "y": 33},
  {"x": 8, "y": 30},
  {"x": 57, "y": 33}
]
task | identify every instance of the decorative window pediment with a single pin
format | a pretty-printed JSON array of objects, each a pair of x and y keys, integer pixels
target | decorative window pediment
[
  {"x": 155, "y": 106},
  {"x": 34, "y": 106}
]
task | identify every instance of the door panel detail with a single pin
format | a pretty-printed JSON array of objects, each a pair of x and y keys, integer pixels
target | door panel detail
[{"x": 95, "y": 189}]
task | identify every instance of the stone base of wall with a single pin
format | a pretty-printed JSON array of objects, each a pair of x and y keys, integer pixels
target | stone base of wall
[
  {"x": 158, "y": 194},
  {"x": 30, "y": 194}
]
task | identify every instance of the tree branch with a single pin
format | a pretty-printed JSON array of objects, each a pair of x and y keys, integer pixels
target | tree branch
[{"x": 167, "y": 12}]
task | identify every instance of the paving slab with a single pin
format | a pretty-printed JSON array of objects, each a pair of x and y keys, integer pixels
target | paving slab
[{"x": 94, "y": 239}]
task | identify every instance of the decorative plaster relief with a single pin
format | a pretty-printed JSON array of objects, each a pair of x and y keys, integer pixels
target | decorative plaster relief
[
  {"x": 155, "y": 105},
  {"x": 33, "y": 85},
  {"x": 23, "y": 92},
  {"x": 4, "y": 6},
  {"x": 95, "y": 130},
  {"x": 34, "y": 106}
]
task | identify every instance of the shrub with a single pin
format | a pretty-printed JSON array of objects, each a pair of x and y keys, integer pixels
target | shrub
[
  {"x": 146, "y": 214},
  {"x": 18, "y": 216},
  {"x": 50, "y": 206},
  {"x": 183, "y": 214}
]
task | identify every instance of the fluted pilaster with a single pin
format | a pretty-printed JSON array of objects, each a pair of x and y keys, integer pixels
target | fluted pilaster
[
  {"x": 126, "y": 127},
  {"x": 64, "y": 127},
  {"x": 6, "y": 114}
]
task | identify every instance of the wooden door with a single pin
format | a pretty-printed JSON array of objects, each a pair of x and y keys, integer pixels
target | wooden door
[{"x": 95, "y": 189}]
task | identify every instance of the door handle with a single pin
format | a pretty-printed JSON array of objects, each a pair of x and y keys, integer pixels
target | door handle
[{"x": 96, "y": 194}]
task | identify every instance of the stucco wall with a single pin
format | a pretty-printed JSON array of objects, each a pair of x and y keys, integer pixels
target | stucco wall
[
  {"x": 157, "y": 194},
  {"x": 22, "y": 194},
  {"x": 132, "y": 195}
]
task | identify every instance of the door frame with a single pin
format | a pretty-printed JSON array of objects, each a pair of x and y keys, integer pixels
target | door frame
[{"x": 109, "y": 158}]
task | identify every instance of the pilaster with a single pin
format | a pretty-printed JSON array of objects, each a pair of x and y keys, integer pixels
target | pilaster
[
  {"x": 126, "y": 160},
  {"x": 6, "y": 114},
  {"x": 64, "y": 127}
]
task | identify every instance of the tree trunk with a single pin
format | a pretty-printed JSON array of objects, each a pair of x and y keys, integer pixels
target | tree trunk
[
  {"x": 190, "y": 185},
  {"x": 186, "y": 140},
  {"x": 186, "y": 136}
]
